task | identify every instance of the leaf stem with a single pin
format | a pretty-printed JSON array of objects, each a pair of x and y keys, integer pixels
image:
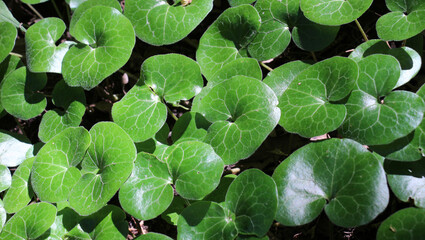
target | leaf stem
[
  {"x": 34, "y": 10},
  {"x": 20, "y": 127},
  {"x": 57, "y": 9},
  {"x": 361, "y": 30},
  {"x": 314, "y": 56},
  {"x": 266, "y": 67},
  {"x": 16, "y": 54},
  {"x": 171, "y": 113}
]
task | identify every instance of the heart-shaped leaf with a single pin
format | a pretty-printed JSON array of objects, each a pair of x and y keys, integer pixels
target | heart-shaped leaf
[
  {"x": 191, "y": 125},
  {"x": 5, "y": 178},
  {"x": 153, "y": 236},
  {"x": 280, "y": 78},
  {"x": 18, "y": 93},
  {"x": 335, "y": 12},
  {"x": 40, "y": 42},
  {"x": 227, "y": 38},
  {"x": 30, "y": 222},
  {"x": 309, "y": 98},
  {"x": 252, "y": 197},
  {"x": 243, "y": 111},
  {"x": 107, "y": 39},
  {"x": 71, "y": 100},
  {"x": 55, "y": 172},
  {"x": 410, "y": 61},
  {"x": 14, "y": 149},
  {"x": 402, "y": 23},
  {"x": 195, "y": 168},
  {"x": 338, "y": 175},
  {"x": 158, "y": 23},
  {"x": 7, "y": 39},
  {"x": 147, "y": 192},
  {"x": 407, "y": 180},
  {"x": 406, "y": 224},
  {"x": 20, "y": 192},
  {"x": 106, "y": 166},
  {"x": 206, "y": 220},
  {"x": 375, "y": 114}
]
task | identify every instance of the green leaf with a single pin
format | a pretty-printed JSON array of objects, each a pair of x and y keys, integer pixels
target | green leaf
[
  {"x": 190, "y": 125},
  {"x": 338, "y": 175},
  {"x": 206, "y": 220},
  {"x": 400, "y": 25},
  {"x": 7, "y": 39},
  {"x": 153, "y": 236},
  {"x": 410, "y": 61},
  {"x": 3, "y": 215},
  {"x": 107, "y": 39},
  {"x": 280, "y": 78},
  {"x": 234, "y": 3},
  {"x": 55, "y": 172},
  {"x": 406, "y": 224},
  {"x": 30, "y": 222},
  {"x": 73, "y": 4},
  {"x": 14, "y": 149},
  {"x": 310, "y": 98},
  {"x": 227, "y": 38},
  {"x": 34, "y": 1},
  {"x": 6, "y": 16},
  {"x": 72, "y": 101},
  {"x": 195, "y": 168},
  {"x": 375, "y": 114},
  {"x": 172, "y": 77},
  {"x": 336, "y": 12},
  {"x": 20, "y": 193},
  {"x": 106, "y": 166},
  {"x": 40, "y": 42},
  {"x": 407, "y": 180},
  {"x": 243, "y": 111},
  {"x": 219, "y": 194},
  {"x": 140, "y": 113},
  {"x": 159, "y": 23},
  {"x": 84, "y": 5},
  {"x": 19, "y": 96},
  {"x": 147, "y": 192},
  {"x": 252, "y": 197},
  {"x": 171, "y": 215},
  {"x": 9, "y": 64},
  {"x": 5, "y": 178}
]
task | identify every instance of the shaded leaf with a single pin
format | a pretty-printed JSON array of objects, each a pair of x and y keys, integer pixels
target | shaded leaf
[
  {"x": 7, "y": 39},
  {"x": 406, "y": 224}
]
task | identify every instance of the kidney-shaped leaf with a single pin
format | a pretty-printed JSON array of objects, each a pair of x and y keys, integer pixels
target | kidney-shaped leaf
[
  {"x": 14, "y": 149},
  {"x": 54, "y": 172},
  {"x": 405, "y": 224},
  {"x": 7, "y": 39},
  {"x": 252, "y": 197},
  {"x": 339, "y": 175},
  {"x": 243, "y": 111},
  {"x": 147, "y": 192},
  {"x": 227, "y": 38},
  {"x": 40, "y": 42},
  {"x": 308, "y": 100},
  {"x": 107, "y": 39},
  {"x": 5, "y": 178},
  {"x": 206, "y": 220},
  {"x": 195, "y": 168},
  {"x": 30, "y": 222},
  {"x": 106, "y": 166},
  {"x": 375, "y": 114},
  {"x": 335, "y": 12},
  {"x": 407, "y": 180},
  {"x": 18, "y": 93},
  {"x": 19, "y": 193},
  {"x": 158, "y": 23}
]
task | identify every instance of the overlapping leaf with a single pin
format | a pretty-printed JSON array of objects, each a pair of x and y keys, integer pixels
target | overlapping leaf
[
  {"x": 107, "y": 40},
  {"x": 6, "y": 16},
  {"x": 5, "y": 178},
  {"x": 7, "y": 39},
  {"x": 18, "y": 93},
  {"x": 406, "y": 224},
  {"x": 159, "y": 23},
  {"x": 3, "y": 215},
  {"x": 243, "y": 111},
  {"x": 309, "y": 98},
  {"x": 191, "y": 125},
  {"x": 106, "y": 166},
  {"x": 337, "y": 175},
  {"x": 14, "y": 149},
  {"x": 153, "y": 236},
  {"x": 376, "y": 114}
]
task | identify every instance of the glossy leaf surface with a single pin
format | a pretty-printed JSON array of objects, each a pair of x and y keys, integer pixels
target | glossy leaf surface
[
  {"x": 14, "y": 149},
  {"x": 5, "y": 178},
  {"x": 7, "y": 39},
  {"x": 159, "y": 23},
  {"x": 54, "y": 172},
  {"x": 337, "y": 175},
  {"x": 243, "y": 111},
  {"x": 106, "y": 166},
  {"x": 107, "y": 39},
  {"x": 147, "y": 192},
  {"x": 407, "y": 224}
]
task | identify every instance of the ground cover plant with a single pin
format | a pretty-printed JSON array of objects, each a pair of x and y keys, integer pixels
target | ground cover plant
[{"x": 212, "y": 119}]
